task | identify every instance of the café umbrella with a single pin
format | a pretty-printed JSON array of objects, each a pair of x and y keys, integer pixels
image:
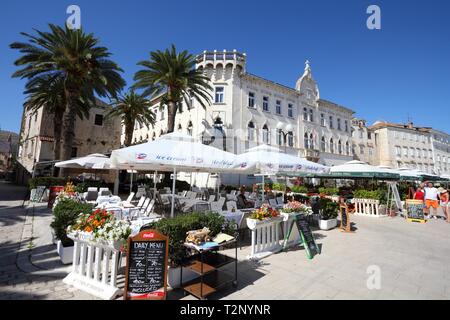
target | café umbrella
[
  {"x": 92, "y": 161},
  {"x": 267, "y": 160},
  {"x": 358, "y": 169},
  {"x": 175, "y": 152}
]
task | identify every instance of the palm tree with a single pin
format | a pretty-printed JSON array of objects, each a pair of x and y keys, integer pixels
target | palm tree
[
  {"x": 75, "y": 57},
  {"x": 48, "y": 92},
  {"x": 132, "y": 108},
  {"x": 173, "y": 76}
]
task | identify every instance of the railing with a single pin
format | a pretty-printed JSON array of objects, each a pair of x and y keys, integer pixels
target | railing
[
  {"x": 310, "y": 153},
  {"x": 368, "y": 207},
  {"x": 265, "y": 237},
  {"x": 221, "y": 56},
  {"x": 94, "y": 269}
]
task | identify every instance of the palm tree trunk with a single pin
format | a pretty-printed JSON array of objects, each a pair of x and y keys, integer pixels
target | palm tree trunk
[
  {"x": 129, "y": 128},
  {"x": 57, "y": 133},
  {"x": 172, "y": 112},
  {"x": 69, "y": 129}
]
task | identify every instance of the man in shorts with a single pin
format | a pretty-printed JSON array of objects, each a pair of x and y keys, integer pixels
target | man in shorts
[{"x": 431, "y": 200}]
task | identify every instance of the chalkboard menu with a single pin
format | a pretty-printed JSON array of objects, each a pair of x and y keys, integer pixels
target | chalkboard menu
[
  {"x": 345, "y": 219},
  {"x": 414, "y": 210},
  {"x": 146, "y": 273},
  {"x": 307, "y": 236}
]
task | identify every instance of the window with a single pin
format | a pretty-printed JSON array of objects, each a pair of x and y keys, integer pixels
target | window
[
  {"x": 190, "y": 130},
  {"x": 398, "y": 151},
  {"x": 339, "y": 124},
  {"x": 279, "y": 137},
  {"x": 74, "y": 152},
  {"x": 161, "y": 117},
  {"x": 323, "y": 145},
  {"x": 290, "y": 110},
  {"x": 251, "y": 131},
  {"x": 98, "y": 120},
  {"x": 418, "y": 153},
  {"x": 405, "y": 151},
  {"x": 265, "y": 134},
  {"x": 370, "y": 151},
  {"x": 369, "y": 135},
  {"x": 305, "y": 114},
  {"x": 219, "y": 94},
  {"x": 290, "y": 139},
  {"x": 266, "y": 104},
  {"x": 278, "y": 107},
  {"x": 340, "y": 147},
  {"x": 346, "y": 126},
  {"x": 412, "y": 152},
  {"x": 306, "y": 140},
  {"x": 361, "y": 134},
  {"x": 311, "y": 141},
  {"x": 322, "y": 120},
  {"x": 331, "y": 145},
  {"x": 361, "y": 149},
  {"x": 347, "y": 148},
  {"x": 311, "y": 115},
  {"x": 251, "y": 99},
  {"x": 180, "y": 128},
  {"x": 154, "y": 136},
  {"x": 331, "y": 122}
]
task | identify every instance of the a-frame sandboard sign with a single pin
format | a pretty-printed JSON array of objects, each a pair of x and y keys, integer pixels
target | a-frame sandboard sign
[
  {"x": 306, "y": 236},
  {"x": 345, "y": 225}
]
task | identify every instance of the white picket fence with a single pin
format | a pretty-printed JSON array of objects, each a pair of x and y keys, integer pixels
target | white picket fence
[
  {"x": 368, "y": 208},
  {"x": 265, "y": 237},
  {"x": 94, "y": 269}
]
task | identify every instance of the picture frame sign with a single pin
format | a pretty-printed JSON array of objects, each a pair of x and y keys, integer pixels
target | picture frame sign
[
  {"x": 307, "y": 236},
  {"x": 147, "y": 265},
  {"x": 414, "y": 211}
]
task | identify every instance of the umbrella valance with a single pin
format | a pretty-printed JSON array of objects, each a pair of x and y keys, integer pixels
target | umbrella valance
[
  {"x": 93, "y": 161},
  {"x": 359, "y": 169}
]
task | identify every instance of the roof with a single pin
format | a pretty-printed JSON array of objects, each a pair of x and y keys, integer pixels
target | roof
[
  {"x": 337, "y": 106},
  {"x": 271, "y": 82},
  {"x": 384, "y": 124}
]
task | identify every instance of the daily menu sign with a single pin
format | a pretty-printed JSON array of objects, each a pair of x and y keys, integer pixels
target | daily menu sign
[
  {"x": 345, "y": 219},
  {"x": 146, "y": 271},
  {"x": 414, "y": 210},
  {"x": 307, "y": 236}
]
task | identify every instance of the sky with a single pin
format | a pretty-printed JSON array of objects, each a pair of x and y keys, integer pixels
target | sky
[{"x": 398, "y": 73}]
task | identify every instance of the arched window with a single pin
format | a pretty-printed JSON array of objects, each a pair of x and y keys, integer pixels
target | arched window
[
  {"x": 323, "y": 145},
  {"x": 154, "y": 136},
  {"x": 161, "y": 133},
  {"x": 347, "y": 148},
  {"x": 251, "y": 131},
  {"x": 279, "y": 137},
  {"x": 265, "y": 134},
  {"x": 311, "y": 115},
  {"x": 306, "y": 140},
  {"x": 147, "y": 137},
  {"x": 180, "y": 128},
  {"x": 340, "y": 147},
  {"x": 305, "y": 114},
  {"x": 190, "y": 128},
  {"x": 331, "y": 145},
  {"x": 290, "y": 139},
  {"x": 311, "y": 141}
]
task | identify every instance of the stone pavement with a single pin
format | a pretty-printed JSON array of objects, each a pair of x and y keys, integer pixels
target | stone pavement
[{"x": 412, "y": 260}]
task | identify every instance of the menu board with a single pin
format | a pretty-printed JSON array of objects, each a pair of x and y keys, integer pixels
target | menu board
[
  {"x": 307, "y": 236},
  {"x": 146, "y": 273},
  {"x": 345, "y": 219},
  {"x": 414, "y": 209}
]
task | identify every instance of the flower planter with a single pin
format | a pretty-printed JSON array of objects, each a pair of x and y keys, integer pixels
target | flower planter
[
  {"x": 265, "y": 237},
  {"x": 65, "y": 253},
  {"x": 327, "y": 224},
  {"x": 174, "y": 276}
]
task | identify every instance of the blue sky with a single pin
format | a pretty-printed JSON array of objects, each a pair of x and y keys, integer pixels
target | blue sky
[{"x": 399, "y": 71}]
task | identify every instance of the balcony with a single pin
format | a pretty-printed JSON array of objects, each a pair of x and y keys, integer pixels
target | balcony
[{"x": 311, "y": 155}]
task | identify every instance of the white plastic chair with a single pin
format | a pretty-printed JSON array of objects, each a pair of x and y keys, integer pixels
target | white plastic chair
[
  {"x": 130, "y": 197},
  {"x": 273, "y": 203},
  {"x": 211, "y": 198},
  {"x": 280, "y": 201},
  {"x": 231, "y": 205},
  {"x": 104, "y": 192}
]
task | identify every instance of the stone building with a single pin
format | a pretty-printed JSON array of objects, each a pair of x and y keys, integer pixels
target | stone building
[
  {"x": 96, "y": 134},
  {"x": 441, "y": 152},
  {"x": 363, "y": 142},
  {"x": 248, "y": 110}
]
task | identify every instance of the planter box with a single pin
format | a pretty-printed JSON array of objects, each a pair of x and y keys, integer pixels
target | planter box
[
  {"x": 65, "y": 253},
  {"x": 174, "y": 276},
  {"x": 265, "y": 237},
  {"x": 327, "y": 224}
]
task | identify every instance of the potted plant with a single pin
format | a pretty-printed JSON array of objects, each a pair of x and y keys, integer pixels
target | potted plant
[
  {"x": 176, "y": 229},
  {"x": 65, "y": 214},
  {"x": 265, "y": 214},
  {"x": 328, "y": 214}
]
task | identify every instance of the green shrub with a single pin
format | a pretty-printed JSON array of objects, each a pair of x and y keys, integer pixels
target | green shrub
[
  {"x": 329, "y": 191},
  {"x": 65, "y": 214},
  {"x": 177, "y": 228},
  {"x": 380, "y": 194},
  {"x": 47, "y": 182},
  {"x": 328, "y": 209},
  {"x": 83, "y": 186},
  {"x": 299, "y": 189},
  {"x": 278, "y": 186}
]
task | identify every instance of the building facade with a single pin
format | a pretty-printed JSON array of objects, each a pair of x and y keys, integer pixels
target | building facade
[
  {"x": 441, "y": 152},
  {"x": 248, "y": 111},
  {"x": 364, "y": 146},
  {"x": 96, "y": 134}
]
